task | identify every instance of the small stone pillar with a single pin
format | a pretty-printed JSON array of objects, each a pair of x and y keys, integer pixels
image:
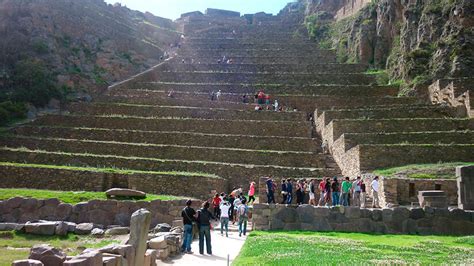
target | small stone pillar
[
  {"x": 139, "y": 227},
  {"x": 465, "y": 180}
]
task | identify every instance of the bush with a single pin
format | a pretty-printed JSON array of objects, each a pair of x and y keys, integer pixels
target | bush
[{"x": 10, "y": 111}]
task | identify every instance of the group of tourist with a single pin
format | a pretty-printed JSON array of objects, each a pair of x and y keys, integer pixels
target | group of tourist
[
  {"x": 225, "y": 208},
  {"x": 225, "y": 60},
  {"x": 263, "y": 101},
  {"x": 331, "y": 192}
]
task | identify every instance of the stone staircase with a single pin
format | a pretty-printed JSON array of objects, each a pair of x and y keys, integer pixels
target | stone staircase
[{"x": 139, "y": 131}]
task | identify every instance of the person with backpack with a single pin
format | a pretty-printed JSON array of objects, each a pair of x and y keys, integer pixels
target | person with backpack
[
  {"x": 204, "y": 217},
  {"x": 225, "y": 210},
  {"x": 335, "y": 191},
  {"x": 189, "y": 218},
  {"x": 243, "y": 217},
  {"x": 270, "y": 190}
]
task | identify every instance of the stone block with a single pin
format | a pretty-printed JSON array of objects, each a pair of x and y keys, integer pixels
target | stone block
[
  {"x": 417, "y": 213},
  {"x": 322, "y": 224},
  {"x": 352, "y": 212},
  {"x": 433, "y": 198},
  {"x": 151, "y": 256},
  {"x": 465, "y": 181},
  {"x": 61, "y": 229},
  {"x": 287, "y": 215},
  {"x": 459, "y": 214},
  {"x": 158, "y": 243},
  {"x": 321, "y": 212},
  {"x": 110, "y": 261},
  {"x": 387, "y": 214},
  {"x": 27, "y": 263},
  {"x": 409, "y": 226},
  {"x": 163, "y": 254},
  {"x": 40, "y": 228},
  {"x": 10, "y": 226},
  {"x": 126, "y": 251},
  {"x": 305, "y": 213},
  {"x": 47, "y": 254},
  {"x": 97, "y": 232},
  {"x": 84, "y": 229},
  {"x": 117, "y": 231}
]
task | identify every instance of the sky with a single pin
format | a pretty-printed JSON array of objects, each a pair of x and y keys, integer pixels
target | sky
[{"x": 172, "y": 9}]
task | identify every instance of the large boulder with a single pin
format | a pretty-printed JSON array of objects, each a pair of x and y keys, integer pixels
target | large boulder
[
  {"x": 139, "y": 226},
  {"x": 126, "y": 251},
  {"x": 40, "y": 228},
  {"x": 158, "y": 243},
  {"x": 61, "y": 229},
  {"x": 89, "y": 258},
  {"x": 151, "y": 256},
  {"x": 48, "y": 255},
  {"x": 162, "y": 228},
  {"x": 126, "y": 193},
  {"x": 97, "y": 232},
  {"x": 11, "y": 226},
  {"x": 84, "y": 229}
]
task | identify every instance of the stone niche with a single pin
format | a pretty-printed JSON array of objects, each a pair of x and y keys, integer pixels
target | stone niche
[{"x": 465, "y": 182}]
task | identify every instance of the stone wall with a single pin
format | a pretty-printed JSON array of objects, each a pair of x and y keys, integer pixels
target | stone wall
[
  {"x": 106, "y": 213},
  {"x": 405, "y": 191},
  {"x": 67, "y": 180},
  {"x": 352, "y": 219}
]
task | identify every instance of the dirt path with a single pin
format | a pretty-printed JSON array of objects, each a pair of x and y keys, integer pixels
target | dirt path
[{"x": 222, "y": 247}]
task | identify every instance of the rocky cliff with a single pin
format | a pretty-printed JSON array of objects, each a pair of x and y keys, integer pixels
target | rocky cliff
[
  {"x": 85, "y": 44},
  {"x": 417, "y": 41}
]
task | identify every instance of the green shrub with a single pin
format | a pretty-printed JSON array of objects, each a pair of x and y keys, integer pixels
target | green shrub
[{"x": 10, "y": 111}]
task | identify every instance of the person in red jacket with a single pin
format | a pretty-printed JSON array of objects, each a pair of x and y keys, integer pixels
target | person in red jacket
[{"x": 216, "y": 202}]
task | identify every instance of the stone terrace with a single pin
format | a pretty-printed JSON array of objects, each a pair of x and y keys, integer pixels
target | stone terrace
[{"x": 135, "y": 126}]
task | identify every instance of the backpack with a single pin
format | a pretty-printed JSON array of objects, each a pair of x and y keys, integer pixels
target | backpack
[{"x": 243, "y": 211}]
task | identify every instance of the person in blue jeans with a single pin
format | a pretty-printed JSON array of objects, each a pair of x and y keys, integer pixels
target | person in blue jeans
[
  {"x": 225, "y": 209},
  {"x": 189, "y": 216},
  {"x": 243, "y": 217},
  {"x": 336, "y": 191},
  {"x": 204, "y": 217}
]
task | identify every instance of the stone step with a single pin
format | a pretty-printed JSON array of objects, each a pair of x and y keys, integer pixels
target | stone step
[
  {"x": 170, "y": 152},
  {"x": 327, "y": 102},
  {"x": 441, "y": 137},
  {"x": 176, "y": 66},
  {"x": 338, "y": 127},
  {"x": 282, "y": 59},
  {"x": 162, "y": 99},
  {"x": 174, "y": 138},
  {"x": 421, "y": 111},
  {"x": 238, "y": 175},
  {"x": 257, "y": 128},
  {"x": 64, "y": 178},
  {"x": 231, "y": 53},
  {"x": 384, "y": 156},
  {"x": 261, "y": 78},
  {"x": 102, "y": 108},
  {"x": 283, "y": 90}
]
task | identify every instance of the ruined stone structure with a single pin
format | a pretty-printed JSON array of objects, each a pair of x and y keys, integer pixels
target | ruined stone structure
[{"x": 163, "y": 126}]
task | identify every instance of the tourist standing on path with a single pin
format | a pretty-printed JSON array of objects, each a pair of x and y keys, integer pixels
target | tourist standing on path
[
  {"x": 335, "y": 191},
  {"x": 356, "y": 192},
  {"x": 216, "y": 202},
  {"x": 237, "y": 203},
  {"x": 284, "y": 192},
  {"x": 322, "y": 186},
  {"x": 312, "y": 191},
  {"x": 252, "y": 192},
  {"x": 299, "y": 192},
  {"x": 375, "y": 192},
  {"x": 204, "y": 217},
  {"x": 327, "y": 192},
  {"x": 243, "y": 217},
  {"x": 346, "y": 188},
  {"x": 231, "y": 212},
  {"x": 225, "y": 210},
  {"x": 363, "y": 194},
  {"x": 189, "y": 217},
  {"x": 270, "y": 191},
  {"x": 289, "y": 190}
]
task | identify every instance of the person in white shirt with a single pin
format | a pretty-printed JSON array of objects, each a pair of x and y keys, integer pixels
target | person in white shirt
[
  {"x": 356, "y": 190},
  {"x": 375, "y": 192},
  {"x": 225, "y": 208}
]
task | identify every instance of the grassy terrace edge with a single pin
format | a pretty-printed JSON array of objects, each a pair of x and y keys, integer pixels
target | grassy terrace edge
[
  {"x": 70, "y": 197},
  {"x": 423, "y": 171},
  {"x": 105, "y": 170}
]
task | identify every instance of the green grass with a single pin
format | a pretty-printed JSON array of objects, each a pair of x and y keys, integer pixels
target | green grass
[
  {"x": 105, "y": 170},
  {"x": 15, "y": 246},
  {"x": 423, "y": 171},
  {"x": 312, "y": 248},
  {"x": 71, "y": 197}
]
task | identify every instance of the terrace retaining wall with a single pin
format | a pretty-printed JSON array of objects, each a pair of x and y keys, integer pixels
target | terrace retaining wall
[
  {"x": 398, "y": 220},
  {"x": 68, "y": 180},
  {"x": 100, "y": 212}
]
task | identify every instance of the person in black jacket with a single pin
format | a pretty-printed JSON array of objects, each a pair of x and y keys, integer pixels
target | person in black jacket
[
  {"x": 188, "y": 215},
  {"x": 204, "y": 218}
]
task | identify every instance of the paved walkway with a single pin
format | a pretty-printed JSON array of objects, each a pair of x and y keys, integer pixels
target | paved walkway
[{"x": 221, "y": 248}]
